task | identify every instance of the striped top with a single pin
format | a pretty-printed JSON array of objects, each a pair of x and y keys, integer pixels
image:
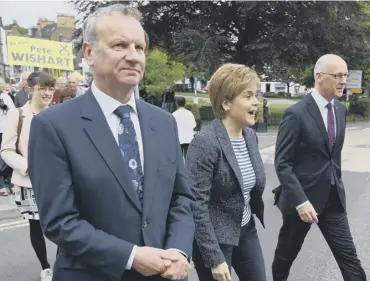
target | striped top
[{"x": 248, "y": 175}]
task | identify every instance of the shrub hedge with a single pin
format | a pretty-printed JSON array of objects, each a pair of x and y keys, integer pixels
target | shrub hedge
[
  {"x": 359, "y": 109},
  {"x": 205, "y": 112}
]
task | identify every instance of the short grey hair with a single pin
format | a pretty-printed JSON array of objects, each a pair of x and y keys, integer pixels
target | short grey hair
[{"x": 89, "y": 26}]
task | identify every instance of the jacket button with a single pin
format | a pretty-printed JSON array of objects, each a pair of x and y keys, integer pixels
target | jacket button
[{"x": 145, "y": 224}]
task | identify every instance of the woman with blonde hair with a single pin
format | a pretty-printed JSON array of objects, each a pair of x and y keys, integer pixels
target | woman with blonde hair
[
  {"x": 227, "y": 178},
  {"x": 14, "y": 151}
]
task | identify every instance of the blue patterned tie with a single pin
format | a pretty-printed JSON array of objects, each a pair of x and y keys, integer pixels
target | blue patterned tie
[
  {"x": 130, "y": 149},
  {"x": 331, "y": 133}
]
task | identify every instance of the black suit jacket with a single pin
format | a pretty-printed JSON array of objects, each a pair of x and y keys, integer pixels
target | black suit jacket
[
  {"x": 87, "y": 204},
  {"x": 303, "y": 159}
]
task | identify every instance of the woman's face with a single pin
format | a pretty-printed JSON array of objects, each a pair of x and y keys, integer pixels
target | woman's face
[
  {"x": 242, "y": 109},
  {"x": 42, "y": 95}
]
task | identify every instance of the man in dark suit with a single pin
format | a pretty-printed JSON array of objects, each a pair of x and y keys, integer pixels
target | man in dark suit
[
  {"x": 308, "y": 165},
  {"x": 22, "y": 96},
  {"x": 107, "y": 169}
]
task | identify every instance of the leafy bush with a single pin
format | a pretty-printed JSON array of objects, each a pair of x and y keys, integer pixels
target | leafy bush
[
  {"x": 206, "y": 112},
  {"x": 193, "y": 108},
  {"x": 276, "y": 113},
  {"x": 161, "y": 72},
  {"x": 260, "y": 113},
  {"x": 360, "y": 107}
]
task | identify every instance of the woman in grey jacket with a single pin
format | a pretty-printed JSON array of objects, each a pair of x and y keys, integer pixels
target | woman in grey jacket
[{"x": 227, "y": 178}]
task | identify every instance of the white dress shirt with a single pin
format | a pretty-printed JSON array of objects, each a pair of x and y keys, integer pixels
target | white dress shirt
[
  {"x": 108, "y": 105},
  {"x": 322, "y": 104}
]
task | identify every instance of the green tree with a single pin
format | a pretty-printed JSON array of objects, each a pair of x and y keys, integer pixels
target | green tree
[
  {"x": 20, "y": 29},
  {"x": 262, "y": 34},
  {"x": 161, "y": 72}
]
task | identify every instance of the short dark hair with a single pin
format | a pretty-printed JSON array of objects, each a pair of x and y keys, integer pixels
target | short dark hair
[
  {"x": 181, "y": 101},
  {"x": 41, "y": 78}
]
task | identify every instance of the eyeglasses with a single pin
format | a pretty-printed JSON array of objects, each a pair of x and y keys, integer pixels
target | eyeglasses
[
  {"x": 44, "y": 89},
  {"x": 338, "y": 76}
]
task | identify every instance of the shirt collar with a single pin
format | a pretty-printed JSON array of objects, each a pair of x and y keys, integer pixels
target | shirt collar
[
  {"x": 320, "y": 100},
  {"x": 109, "y": 104}
]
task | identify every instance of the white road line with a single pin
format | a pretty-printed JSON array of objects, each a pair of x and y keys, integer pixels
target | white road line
[{"x": 14, "y": 224}]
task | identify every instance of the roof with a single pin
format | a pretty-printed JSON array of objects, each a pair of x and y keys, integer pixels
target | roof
[{"x": 48, "y": 30}]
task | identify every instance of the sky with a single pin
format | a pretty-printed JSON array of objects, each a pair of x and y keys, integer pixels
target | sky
[{"x": 27, "y": 13}]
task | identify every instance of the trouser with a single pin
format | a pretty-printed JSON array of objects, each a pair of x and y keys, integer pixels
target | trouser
[
  {"x": 184, "y": 149},
  {"x": 246, "y": 258},
  {"x": 333, "y": 224},
  {"x": 38, "y": 243}
]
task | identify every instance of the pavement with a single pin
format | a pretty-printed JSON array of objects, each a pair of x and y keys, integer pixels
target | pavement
[{"x": 315, "y": 261}]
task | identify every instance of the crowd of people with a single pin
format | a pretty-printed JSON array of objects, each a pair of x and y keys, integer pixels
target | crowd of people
[{"x": 104, "y": 177}]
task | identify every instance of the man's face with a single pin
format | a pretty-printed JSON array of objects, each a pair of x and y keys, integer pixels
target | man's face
[
  {"x": 61, "y": 83},
  {"x": 73, "y": 84},
  {"x": 24, "y": 83},
  {"x": 119, "y": 57},
  {"x": 334, "y": 79}
]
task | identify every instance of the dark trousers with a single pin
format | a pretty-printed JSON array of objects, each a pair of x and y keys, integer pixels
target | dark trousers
[
  {"x": 333, "y": 224},
  {"x": 246, "y": 258},
  {"x": 38, "y": 243},
  {"x": 184, "y": 148}
]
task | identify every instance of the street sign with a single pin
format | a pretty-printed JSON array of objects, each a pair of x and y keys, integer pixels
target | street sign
[{"x": 354, "y": 80}]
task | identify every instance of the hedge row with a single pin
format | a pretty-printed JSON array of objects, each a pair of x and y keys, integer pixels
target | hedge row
[
  {"x": 205, "y": 112},
  {"x": 359, "y": 109}
]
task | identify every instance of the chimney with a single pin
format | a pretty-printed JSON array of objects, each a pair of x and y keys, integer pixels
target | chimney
[
  {"x": 15, "y": 29},
  {"x": 32, "y": 32}
]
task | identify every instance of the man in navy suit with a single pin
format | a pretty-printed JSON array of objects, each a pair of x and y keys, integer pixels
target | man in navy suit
[{"x": 107, "y": 168}]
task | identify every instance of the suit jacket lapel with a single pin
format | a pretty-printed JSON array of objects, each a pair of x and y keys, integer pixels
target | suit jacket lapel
[
  {"x": 316, "y": 115},
  {"x": 224, "y": 140},
  {"x": 150, "y": 139},
  {"x": 101, "y": 136}
]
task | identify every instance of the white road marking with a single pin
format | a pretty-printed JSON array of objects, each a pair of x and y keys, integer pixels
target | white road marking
[{"x": 13, "y": 224}]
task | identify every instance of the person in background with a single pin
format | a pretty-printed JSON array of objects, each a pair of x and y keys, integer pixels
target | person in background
[
  {"x": 185, "y": 124},
  {"x": 112, "y": 189},
  {"x": 227, "y": 177},
  {"x": 8, "y": 90},
  {"x": 73, "y": 87},
  {"x": 22, "y": 96},
  {"x": 266, "y": 111},
  {"x": 41, "y": 88},
  {"x": 308, "y": 164},
  {"x": 6, "y": 104},
  {"x": 168, "y": 101},
  {"x": 60, "y": 88}
]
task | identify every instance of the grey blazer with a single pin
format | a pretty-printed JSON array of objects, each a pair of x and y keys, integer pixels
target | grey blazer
[
  {"x": 21, "y": 98},
  {"x": 216, "y": 182}
]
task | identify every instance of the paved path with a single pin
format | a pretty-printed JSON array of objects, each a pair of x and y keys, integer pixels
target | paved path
[{"x": 17, "y": 261}]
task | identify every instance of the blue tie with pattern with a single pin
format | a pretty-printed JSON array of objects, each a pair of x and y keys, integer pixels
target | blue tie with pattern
[{"x": 130, "y": 149}]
